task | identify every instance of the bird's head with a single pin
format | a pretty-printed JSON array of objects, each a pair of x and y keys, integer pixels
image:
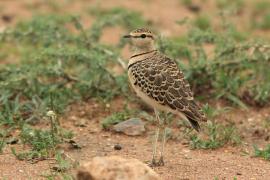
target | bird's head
[{"x": 142, "y": 39}]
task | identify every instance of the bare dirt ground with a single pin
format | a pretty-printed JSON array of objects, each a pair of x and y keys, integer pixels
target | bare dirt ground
[{"x": 181, "y": 162}]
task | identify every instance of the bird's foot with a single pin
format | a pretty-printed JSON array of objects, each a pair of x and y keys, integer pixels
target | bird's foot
[
  {"x": 154, "y": 163},
  {"x": 161, "y": 161}
]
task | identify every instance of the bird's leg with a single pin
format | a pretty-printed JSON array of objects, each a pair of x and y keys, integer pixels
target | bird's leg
[
  {"x": 153, "y": 162},
  {"x": 161, "y": 160}
]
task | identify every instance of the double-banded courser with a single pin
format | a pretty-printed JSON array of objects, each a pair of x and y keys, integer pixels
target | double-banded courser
[{"x": 158, "y": 81}]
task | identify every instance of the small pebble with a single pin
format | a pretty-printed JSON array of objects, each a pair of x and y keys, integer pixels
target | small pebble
[
  {"x": 6, "y": 18},
  {"x": 194, "y": 8},
  {"x": 117, "y": 147},
  {"x": 74, "y": 144},
  {"x": 81, "y": 122},
  {"x": 12, "y": 141}
]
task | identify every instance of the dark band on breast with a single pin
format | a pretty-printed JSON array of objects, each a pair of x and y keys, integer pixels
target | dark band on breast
[
  {"x": 142, "y": 53},
  {"x": 129, "y": 66}
]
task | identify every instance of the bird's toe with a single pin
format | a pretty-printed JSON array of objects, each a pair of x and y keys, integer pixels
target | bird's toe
[{"x": 161, "y": 162}]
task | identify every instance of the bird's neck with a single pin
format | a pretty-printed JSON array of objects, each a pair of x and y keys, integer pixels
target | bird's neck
[
  {"x": 143, "y": 50},
  {"x": 141, "y": 55}
]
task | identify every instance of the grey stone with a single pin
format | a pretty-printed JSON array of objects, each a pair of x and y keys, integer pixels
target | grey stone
[{"x": 131, "y": 127}]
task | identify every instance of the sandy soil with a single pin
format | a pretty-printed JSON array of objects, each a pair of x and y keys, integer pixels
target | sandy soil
[{"x": 181, "y": 162}]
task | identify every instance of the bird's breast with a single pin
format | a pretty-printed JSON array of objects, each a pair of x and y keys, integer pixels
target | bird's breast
[{"x": 140, "y": 93}]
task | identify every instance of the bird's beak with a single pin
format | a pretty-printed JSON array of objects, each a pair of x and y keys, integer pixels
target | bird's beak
[{"x": 127, "y": 36}]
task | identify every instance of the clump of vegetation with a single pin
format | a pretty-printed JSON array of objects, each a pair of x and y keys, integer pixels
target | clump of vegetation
[
  {"x": 115, "y": 17},
  {"x": 217, "y": 136},
  {"x": 62, "y": 71},
  {"x": 261, "y": 7},
  {"x": 260, "y": 15},
  {"x": 2, "y": 145},
  {"x": 234, "y": 5},
  {"x": 265, "y": 24},
  {"x": 202, "y": 22},
  {"x": 61, "y": 169},
  {"x": 186, "y": 2},
  {"x": 264, "y": 153},
  {"x": 266, "y": 123},
  {"x": 43, "y": 143}
]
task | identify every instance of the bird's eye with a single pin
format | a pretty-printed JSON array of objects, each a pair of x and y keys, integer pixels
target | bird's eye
[{"x": 143, "y": 36}]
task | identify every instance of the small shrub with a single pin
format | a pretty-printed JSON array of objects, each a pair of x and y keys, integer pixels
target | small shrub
[
  {"x": 218, "y": 136},
  {"x": 43, "y": 142},
  {"x": 261, "y": 7},
  {"x": 264, "y": 153},
  {"x": 202, "y": 22},
  {"x": 186, "y": 2},
  {"x": 2, "y": 145},
  {"x": 265, "y": 24}
]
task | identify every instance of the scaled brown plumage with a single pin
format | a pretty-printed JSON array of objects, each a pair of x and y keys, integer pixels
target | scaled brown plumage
[{"x": 160, "y": 78}]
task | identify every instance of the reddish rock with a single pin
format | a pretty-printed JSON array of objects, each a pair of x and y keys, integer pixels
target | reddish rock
[{"x": 115, "y": 168}]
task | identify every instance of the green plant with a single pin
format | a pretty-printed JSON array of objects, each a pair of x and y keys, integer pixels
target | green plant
[
  {"x": 115, "y": 16},
  {"x": 62, "y": 167},
  {"x": 186, "y": 2},
  {"x": 63, "y": 164},
  {"x": 225, "y": 4},
  {"x": 218, "y": 136},
  {"x": 43, "y": 142},
  {"x": 264, "y": 153},
  {"x": 261, "y": 7},
  {"x": 212, "y": 113},
  {"x": 203, "y": 22},
  {"x": 4, "y": 133},
  {"x": 260, "y": 15},
  {"x": 2, "y": 145},
  {"x": 67, "y": 68},
  {"x": 265, "y": 24},
  {"x": 266, "y": 123}
]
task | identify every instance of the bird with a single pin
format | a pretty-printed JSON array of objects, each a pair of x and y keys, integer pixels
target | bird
[{"x": 159, "y": 82}]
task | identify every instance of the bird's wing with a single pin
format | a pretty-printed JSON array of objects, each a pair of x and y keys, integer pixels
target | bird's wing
[{"x": 161, "y": 79}]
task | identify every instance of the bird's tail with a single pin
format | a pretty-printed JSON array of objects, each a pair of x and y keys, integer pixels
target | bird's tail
[{"x": 194, "y": 124}]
